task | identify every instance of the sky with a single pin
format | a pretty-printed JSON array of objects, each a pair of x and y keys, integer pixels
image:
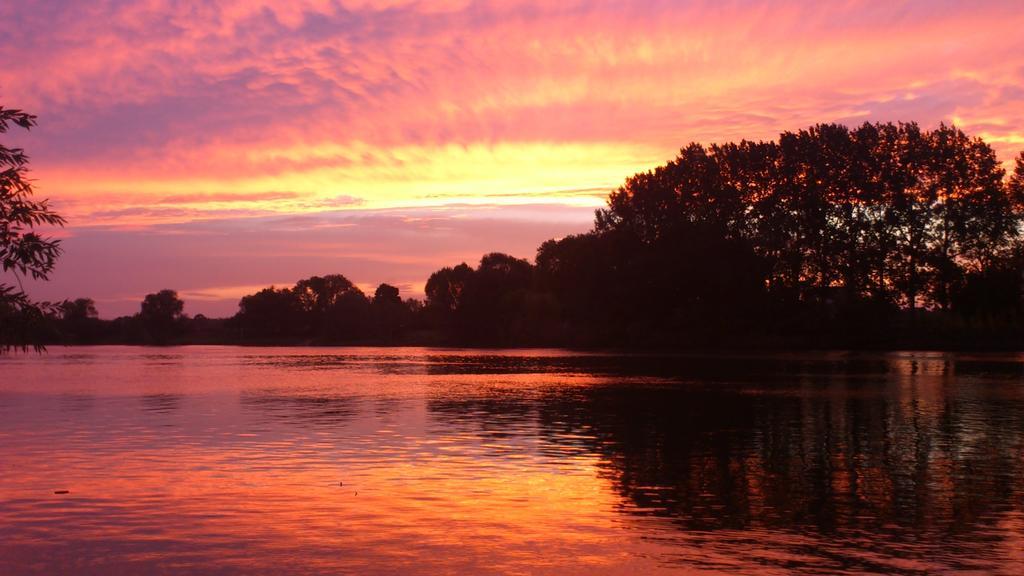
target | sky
[{"x": 218, "y": 147}]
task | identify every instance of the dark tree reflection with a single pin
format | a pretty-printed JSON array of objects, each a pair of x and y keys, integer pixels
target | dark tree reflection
[
  {"x": 312, "y": 409},
  {"x": 161, "y": 403},
  {"x": 891, "y": 445}
]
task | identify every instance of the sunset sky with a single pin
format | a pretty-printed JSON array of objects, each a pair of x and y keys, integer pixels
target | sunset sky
[{"x": 217, "y": 147}]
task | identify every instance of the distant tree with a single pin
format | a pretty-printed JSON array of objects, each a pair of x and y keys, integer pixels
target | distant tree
[
  {"x": 161, "y": 316},
  {"x": 444, "y": 288},
  {"x": 323, "y": 309},
  {"x": 390, "y": 316},
  {"x": 492, "y": 310},
  {"x": 349, "y": 319},
  {"x": 79, "y": 309},
  {"x": 270, "y": 315},
  {"x": 318, "y": 294},
  {"x": 79, "y": 320},
  {"x": 386, "y": 294},
  {"x": 335, "y": 309},
  {"x": 585, "y": 274},
  {"x": 23, "y": 251},
  {"x": 490, "y": 305}
]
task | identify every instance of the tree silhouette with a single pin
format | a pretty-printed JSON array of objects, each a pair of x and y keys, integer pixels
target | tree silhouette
[
  {"x": 878, "y": 235},
  {"x": 445, "y": 288},
  {"x": 389, "y": 315},
  {"x": 492, "y": 309},
  {"x": 386, "y": 294},
  {"x": 1016, "y": 184},
  {"x": 491, "y": 305},
  {"x": 884, "y": 211},
  {"x": 79, "y": 309},
  {"x": 319, "y": 293},
  {"x": 318, "y": 309},
  {"x": 79, "y": 321},
  {"x": 270, "y": 315},
  {"x": 161, "y": 316},
  {"x": 23, "y": 251},
  {"x": 335, "y": 309}
]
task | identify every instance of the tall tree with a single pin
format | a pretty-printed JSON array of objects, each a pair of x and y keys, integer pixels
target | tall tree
[
  {"x": 1016, "y": 185},
  {"x": 23, "y": 251},
  {"x": 885, "y": 212}
]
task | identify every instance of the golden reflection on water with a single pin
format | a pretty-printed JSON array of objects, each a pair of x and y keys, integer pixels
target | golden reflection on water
[{"x": 242, "y": 460}]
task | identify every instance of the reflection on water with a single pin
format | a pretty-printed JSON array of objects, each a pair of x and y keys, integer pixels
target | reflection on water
[{"x": 247, "y": 460}]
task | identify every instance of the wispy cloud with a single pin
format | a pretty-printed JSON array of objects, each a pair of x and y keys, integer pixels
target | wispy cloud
[{"x": 226, "y": 197}]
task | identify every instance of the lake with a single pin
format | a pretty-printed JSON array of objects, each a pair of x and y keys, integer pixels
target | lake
[{"x": 224, "y": 460}]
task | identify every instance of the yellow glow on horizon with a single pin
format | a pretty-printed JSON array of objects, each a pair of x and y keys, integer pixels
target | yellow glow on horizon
[{"x": 358, "y": 176}]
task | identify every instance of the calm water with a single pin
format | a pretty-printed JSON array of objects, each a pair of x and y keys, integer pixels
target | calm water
[{"x": 362, "y": 460}]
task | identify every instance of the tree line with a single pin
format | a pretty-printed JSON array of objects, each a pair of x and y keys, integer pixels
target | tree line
[{"x": 882, "y": 235}]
